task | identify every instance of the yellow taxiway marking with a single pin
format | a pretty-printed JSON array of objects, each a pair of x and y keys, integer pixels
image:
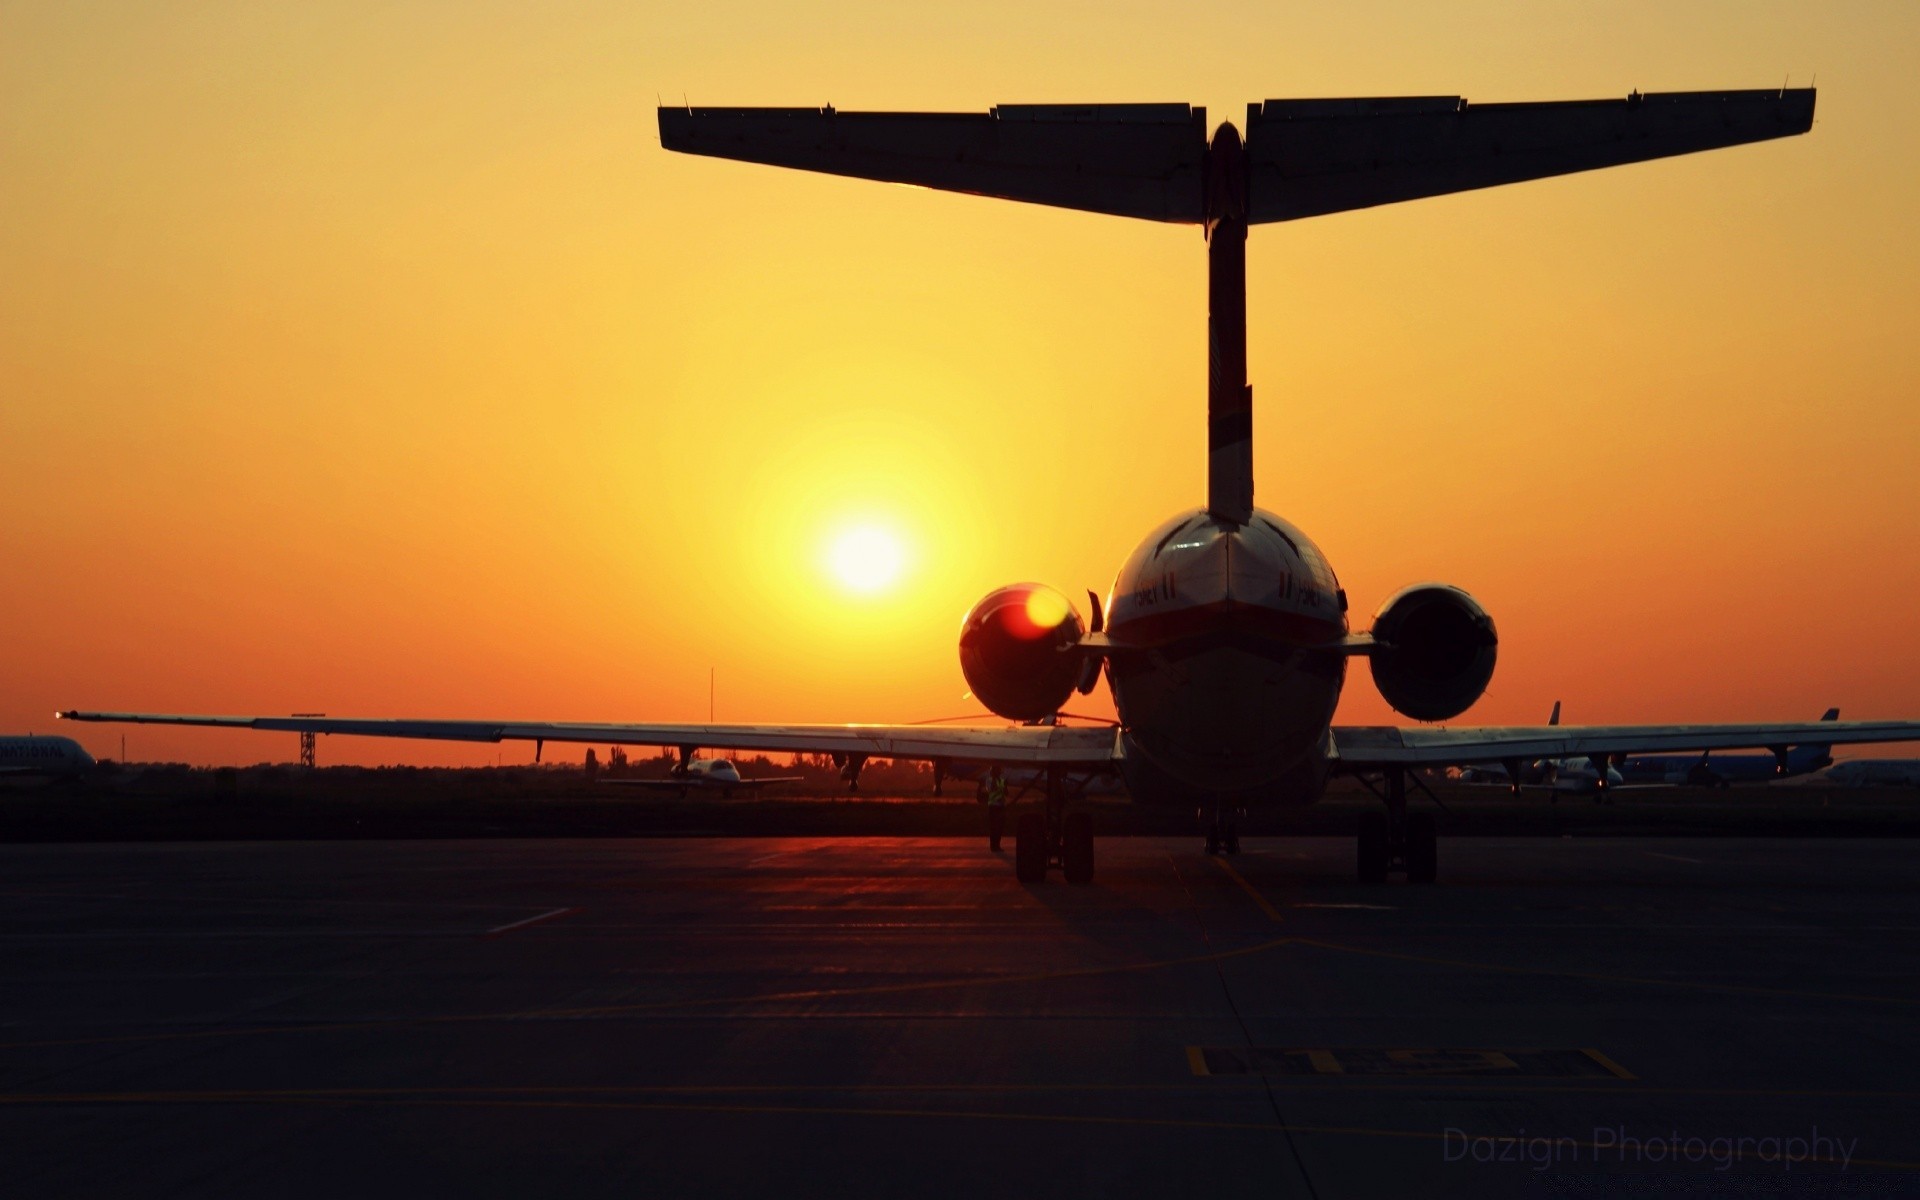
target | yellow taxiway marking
[
  {"x": 1608, "y": 1063},
  {"x": 1273, "y": 914}
]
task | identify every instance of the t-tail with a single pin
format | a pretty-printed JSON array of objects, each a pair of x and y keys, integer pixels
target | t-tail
[{"x": 1299, "y": 158}]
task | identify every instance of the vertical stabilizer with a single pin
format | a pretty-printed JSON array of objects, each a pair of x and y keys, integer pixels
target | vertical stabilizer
[{"x": 1229, "y": 399}]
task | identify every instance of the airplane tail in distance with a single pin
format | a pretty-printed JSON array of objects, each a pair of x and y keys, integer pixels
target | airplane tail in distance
[
  {"x": 1555, "y": 718},
  {"x": 1832, "y": 714}
]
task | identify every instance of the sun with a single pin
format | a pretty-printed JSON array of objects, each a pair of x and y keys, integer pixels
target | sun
[{"x": 865, "y": 559}]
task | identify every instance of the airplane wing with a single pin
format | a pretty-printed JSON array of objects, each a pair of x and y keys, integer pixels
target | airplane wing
[
  {"x": 1358, "y": 748},
  {"x": 1304, "y": 158},
  {"x": 1044, "y": 745}
]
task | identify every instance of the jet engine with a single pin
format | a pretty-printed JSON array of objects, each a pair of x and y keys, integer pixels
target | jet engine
[
  {"x": 1436, "y": 651},
  {"x": 1017, "y": 651}
]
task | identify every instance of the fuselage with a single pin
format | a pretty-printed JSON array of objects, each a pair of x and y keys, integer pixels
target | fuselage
[
  {"x": 42, "y": 756},
  {"x": 1223, "y": 669}
]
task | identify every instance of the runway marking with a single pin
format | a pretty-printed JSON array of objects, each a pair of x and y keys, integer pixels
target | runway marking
[
  {"x": 1679, "y": 858},
  {"x": 1609, "y": 1064},
  {"x": 499, "y": 930},
  {"x": 401, "y": 1098},
  {"x": 1273, "y": 914},
  {"x": 1197, "y": 1061}
]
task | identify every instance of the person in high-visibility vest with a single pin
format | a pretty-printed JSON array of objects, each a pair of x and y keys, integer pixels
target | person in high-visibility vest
[{"x": 993, "y": 793}]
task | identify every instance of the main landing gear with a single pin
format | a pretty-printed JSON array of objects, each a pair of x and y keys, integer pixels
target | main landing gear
[
  {"x": 1397, "y": 839},
  {"x": 1053, "y": 838}
]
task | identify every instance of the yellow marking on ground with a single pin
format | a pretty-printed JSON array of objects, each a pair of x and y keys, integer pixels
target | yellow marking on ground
[
  {"x": 1325, "y": 1062},
  {"x": 1273, "y": 914},
  {"x": 1608, "y": 1063},
  {"x": 1197, "y": 1061},
  {"x": 342, "y": 1099}
]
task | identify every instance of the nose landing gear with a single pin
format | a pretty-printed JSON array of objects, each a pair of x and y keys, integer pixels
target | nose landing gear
[
  {"x": 1396, "y": 839},
  {"x": 1223, "y": 832}
]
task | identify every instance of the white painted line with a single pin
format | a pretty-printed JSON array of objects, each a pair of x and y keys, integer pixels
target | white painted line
[
  {"x": 497, "y": 930},
  {"x": 1673, "y": 857}
]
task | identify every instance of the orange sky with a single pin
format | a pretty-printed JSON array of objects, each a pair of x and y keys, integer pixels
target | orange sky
[{"x": 377, "y": 361}]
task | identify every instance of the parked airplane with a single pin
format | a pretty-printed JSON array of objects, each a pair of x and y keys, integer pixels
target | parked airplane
[
  {"x": 42, "y": 758},
  {"x": 1585, "y": 775},
  {"x": 1876, "y": 772},
  {"x": 1724, "y": 770},
  {"x": 1225, "y": 640},
  {"x": 706, "y": 775}
]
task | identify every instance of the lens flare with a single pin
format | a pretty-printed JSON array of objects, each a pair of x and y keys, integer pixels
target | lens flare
[
  {"x": 865, "y": 559},
  {"x": 1046, "y": 608}
]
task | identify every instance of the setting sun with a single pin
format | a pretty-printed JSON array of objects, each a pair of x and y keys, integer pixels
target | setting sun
[{"x": 865, "y": 559}]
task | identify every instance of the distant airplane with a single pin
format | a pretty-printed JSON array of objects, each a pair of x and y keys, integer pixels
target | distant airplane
[
  {"x": 1224, "y": 640},
  {"x": 1876, "y": 772},
  {"x": 1724, "y": 770},
  {"x": 706, "y": 775},
  {"x": 42, "y": 758}
]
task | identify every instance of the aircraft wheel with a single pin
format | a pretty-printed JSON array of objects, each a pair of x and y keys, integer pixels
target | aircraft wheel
[
  {"x": 1030, "y": 848},
  {"x": 1076, "y": 853},
  {"x": 1373, "y": 847},
  {"x": 1232, "y": 841},
  {"x": 1423, "y": 848},
  {"x": 1213, "y": 842}
]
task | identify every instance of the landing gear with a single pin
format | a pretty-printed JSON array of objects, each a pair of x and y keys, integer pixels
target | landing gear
[
  {"x": 1052, "y": 838},
  {"x": 1223, "y": 833},
  {"x": 1076, "y": 848},
  {"x": 1396, "y": 838},
  {"x": 1375, "y": 845},
  {"x": 1030, "y": 848}
]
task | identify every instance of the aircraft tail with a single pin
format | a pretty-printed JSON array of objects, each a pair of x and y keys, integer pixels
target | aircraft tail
[
  {"x": 1299, "y": 158},
  {"x": 1555, "y": 718}
]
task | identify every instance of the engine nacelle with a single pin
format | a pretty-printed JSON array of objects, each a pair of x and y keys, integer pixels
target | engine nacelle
[
  {"x": 1016, "y": 650},
  {"x": 1437, "y": 651}
]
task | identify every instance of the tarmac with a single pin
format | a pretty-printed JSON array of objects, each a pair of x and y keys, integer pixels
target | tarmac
[{"x": 845, "y": 1017}]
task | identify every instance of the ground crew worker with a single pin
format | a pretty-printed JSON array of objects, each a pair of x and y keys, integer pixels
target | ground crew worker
[{"x": 993, "y": 793}]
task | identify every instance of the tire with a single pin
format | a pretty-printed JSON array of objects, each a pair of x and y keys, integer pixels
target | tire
[
  {"x": 1030, "y": 848},
  {"x": 1373, "y": 847},
  {"x": 1076, "y": 852},
  {"x": 1423, "y": 848}
]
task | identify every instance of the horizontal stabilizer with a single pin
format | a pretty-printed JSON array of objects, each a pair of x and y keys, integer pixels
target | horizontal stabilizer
[
  {"x": 1306, "y": 158},
  {"x": 1129, "y": 160}
]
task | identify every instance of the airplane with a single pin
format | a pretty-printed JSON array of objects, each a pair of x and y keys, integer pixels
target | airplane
[
  {"x": 1496, "y": 775},
  {"x": 1224, "y": 641},
  {"x": 1875, "y": 772},
  {"x": 1611, "y": 772},
  {"x": 42, "y": 758},
  {"x": 1725, "y": 770},
  {"x": 707, "y": 775}
]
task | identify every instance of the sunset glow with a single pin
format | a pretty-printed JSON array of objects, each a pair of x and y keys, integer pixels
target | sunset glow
[
  {"x": 378, "y": 361},
  {"x": 865, "y": 559}
]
